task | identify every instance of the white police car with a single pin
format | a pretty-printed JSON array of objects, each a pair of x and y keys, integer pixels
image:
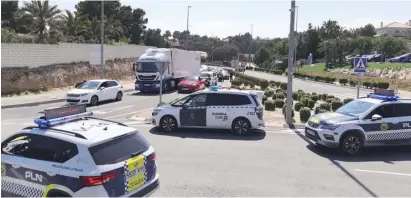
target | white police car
[
  {"x": 215, "y": 108},
  {"x": 69, "y": 154},
  {"x": 380, "y": 119}
]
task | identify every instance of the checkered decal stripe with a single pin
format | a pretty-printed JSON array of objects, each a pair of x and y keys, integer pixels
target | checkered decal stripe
[
  {"x": 389, "y": 136},
  {"x": 19, "y": 189}
]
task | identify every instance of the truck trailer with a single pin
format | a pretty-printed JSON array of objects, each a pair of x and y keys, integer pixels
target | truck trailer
[{"x": 178, "y": 64}]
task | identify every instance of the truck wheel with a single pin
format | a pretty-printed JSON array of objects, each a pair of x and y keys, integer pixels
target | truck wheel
[
  {"x": 168, "y": 123},
  {"x": 351, "y": 144}
]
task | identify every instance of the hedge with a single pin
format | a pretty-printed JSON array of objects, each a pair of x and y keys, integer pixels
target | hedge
[
  {"x": 305, "y": 114},
  {"x": 269, "y": 105}
]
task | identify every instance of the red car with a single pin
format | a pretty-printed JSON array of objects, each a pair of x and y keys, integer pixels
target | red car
[{"x": 191, "y": 84}]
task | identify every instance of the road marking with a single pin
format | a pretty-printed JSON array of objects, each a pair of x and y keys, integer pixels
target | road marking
[
  {"x": 101, "y": 112},
  {"x": 19, "y": 119},
  {"x": 119, "y": 115},
  {"x": 383, "y": 172}
]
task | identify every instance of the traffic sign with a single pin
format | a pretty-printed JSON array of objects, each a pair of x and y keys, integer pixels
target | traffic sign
[{"x": 360, "y": 65}]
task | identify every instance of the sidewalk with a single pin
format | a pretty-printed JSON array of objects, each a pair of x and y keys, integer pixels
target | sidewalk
[{"x": 53, "y": 96}]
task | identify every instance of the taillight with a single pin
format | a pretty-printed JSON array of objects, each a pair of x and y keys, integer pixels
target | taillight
[
  {"x": 259, "y": 112},
  {"x": 98, "y": 180},
  {"x": 152, "y": 157}
]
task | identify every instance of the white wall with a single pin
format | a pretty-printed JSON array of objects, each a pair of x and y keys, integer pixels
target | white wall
[{"x": 34, "y": 55}]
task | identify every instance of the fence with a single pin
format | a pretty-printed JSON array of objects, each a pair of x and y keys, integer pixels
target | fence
[{"x": 34, "y": 55}]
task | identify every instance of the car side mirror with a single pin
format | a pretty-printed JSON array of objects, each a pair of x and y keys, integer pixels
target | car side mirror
[{"x": 376, "y": 117}]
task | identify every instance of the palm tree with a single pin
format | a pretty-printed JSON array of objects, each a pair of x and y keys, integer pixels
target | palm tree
[
  {"x": 75, "y": 24},
  {"x": 43, "y": 16},
  {"x": 112, "y": 28}
]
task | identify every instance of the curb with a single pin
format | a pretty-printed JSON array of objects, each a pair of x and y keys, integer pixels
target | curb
[{"x": 30, "y": 104}]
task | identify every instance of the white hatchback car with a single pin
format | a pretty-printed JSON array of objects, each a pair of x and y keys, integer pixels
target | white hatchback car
[{"x": 94, "y": 91}]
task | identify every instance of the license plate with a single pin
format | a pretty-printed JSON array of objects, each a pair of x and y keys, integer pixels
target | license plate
[
  {"x": 147, "y": 85},
  {"x": 310, "y": 132},
  {"x": 184, "y": 88},
  {"x": 134, "y": 173}
]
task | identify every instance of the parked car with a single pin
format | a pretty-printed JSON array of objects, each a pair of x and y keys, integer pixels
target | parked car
[
  {"x": 94, "y": 91},
  {"x": 210, "y": 78}
]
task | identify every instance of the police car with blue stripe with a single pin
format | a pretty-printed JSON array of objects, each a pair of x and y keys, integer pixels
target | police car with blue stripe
[
  {"x": 215, "y": 108},
  {"x": 72, "y": 154},
  {"x": 380, "y": 119}
]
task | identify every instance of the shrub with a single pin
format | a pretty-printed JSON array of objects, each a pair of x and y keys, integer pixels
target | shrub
[
  {"x": 264, "y": 84},
  {"x": 324, "y": 97},
  {"x": 343, "y": 81},
  {"x": 314, "y": 97},
  {"x": 277, "y": 84},
  {"x": 336, "y": 104},
  {"x": 300, "y": 91},
  {"x": 311, "y": 104},
  {"x": 322, "y": 111},
  {"x": 278, "y": 91},
  {"x": 325, "y": 106},
  {"x": 383, "y": 85},
  {"x": 330, "y": 96},
  {"x": 367, "y": 84},
  {"x": 274, "y": 96},
  {"x": 353, "y": 83},
  {"x": 269, "y": 105},
  {"x": 279, "y": 103},
  {"x": 269, "y": 93},
  {"x": 313, "y": 93},
  {"x": 298, "y": 106},
  {"x": 295, "y": 95},
  {"x": 285, "y": 108},
  {"x": 264, "y": 99},
  {"x": 305, "y": 114},
  {"x": 347, "y": 100},
  {"x": 316, "y": 110},
  {"x": 236, "y": 82},
  {"x": 283, "y": 86},
  {"x": 330, "y": 100},
  {"x": 279, "y": 96},
  {"x": 304, "y": 102}
]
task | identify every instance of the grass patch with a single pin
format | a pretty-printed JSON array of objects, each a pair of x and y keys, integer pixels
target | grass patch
[{"x": 319, "y": 67}]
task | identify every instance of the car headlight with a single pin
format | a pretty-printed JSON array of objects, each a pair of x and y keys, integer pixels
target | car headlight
[
  {"x": 84, "y": 94},
  {"x": 330, "y": 127},
  {"x": 156, "y": 111}
]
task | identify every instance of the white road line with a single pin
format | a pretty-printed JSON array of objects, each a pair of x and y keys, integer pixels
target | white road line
[
  {"x": 383, "y": 172},
  {"x": 129, "y": 113},
  {"x": 100, "y": 112}
]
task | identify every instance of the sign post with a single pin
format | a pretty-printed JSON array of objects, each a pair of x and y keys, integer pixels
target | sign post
[
  {"x": 360, "y": 66},
  {"x": 161, "y": 68}
]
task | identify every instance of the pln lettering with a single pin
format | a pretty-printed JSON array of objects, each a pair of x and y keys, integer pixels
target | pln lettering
[
  {"x": 406, "y": 125},
  {"x": 34, "y": 176}
]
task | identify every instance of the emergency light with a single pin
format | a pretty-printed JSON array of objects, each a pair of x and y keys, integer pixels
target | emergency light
[
  {"x": 384, "y": 94},
  {"x": 214, "y": 88},
  {"x": 62, "y": 115}
]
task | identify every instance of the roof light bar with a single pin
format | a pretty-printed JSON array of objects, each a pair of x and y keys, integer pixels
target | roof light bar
[
  {"x": 214, "y": 88},
  {"x": 383, "y": 97},
  {"x": 62, "y": 115},
  {"x": 44, "y": 123}
]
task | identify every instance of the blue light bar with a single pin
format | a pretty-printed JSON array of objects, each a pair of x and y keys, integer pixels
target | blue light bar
[
  {"x": 44, "y": 123},
  {"x": 383, "y": 97},
  {"x": 214, "y": 88}
]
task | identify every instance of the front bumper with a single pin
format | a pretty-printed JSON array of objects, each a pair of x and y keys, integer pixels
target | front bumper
[
  {"x": 77, "y": 100},
  {"x": 186, "y": 88},
  {"x": 321, "y": 136},
  {"x": 147, "y": 86}
]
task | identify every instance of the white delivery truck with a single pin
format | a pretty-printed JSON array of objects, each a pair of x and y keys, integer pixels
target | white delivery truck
[{"x": 177, "y": 63}]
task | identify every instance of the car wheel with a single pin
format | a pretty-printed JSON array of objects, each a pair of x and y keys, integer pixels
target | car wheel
[
  {"x": 240, "y": 126},
  {"x": 352, "y": 144},
  {"x": 168, "y": 123},
  {"x": 119, "y": 96},
  {"x": 94, "y": 101}
]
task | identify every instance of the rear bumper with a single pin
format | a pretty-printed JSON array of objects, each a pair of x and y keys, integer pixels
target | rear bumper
[{"x": 148, "y": 189}]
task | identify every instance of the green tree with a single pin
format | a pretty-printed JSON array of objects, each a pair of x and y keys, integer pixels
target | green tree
[
  {"x": 8, "y": 8},
  {"x": 261, "y": 56},
  {"x": 75, "y": 24},
  {"x": 225, "y": 53}
]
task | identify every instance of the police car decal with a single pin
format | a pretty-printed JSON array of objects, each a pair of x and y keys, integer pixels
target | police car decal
[
  {"x": 135, "y": 174},
  {"x": 386, "y": 126},
  {"x": 193, "y": 116},
  {"x": 331, "y": 118}
]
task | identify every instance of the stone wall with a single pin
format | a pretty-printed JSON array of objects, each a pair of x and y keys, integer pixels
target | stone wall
[{"x": 39, "y": 67}]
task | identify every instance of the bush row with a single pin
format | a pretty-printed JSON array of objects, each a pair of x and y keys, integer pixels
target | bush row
[{"x": 326, "y": 79}]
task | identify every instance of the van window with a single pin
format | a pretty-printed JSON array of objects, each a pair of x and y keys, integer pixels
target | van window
[{"x": 119, "y": 149}]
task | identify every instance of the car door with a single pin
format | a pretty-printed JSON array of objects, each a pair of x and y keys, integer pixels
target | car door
[
  {"x": 219, "y": 110},
  {"x": 103, "y": 91},
  {"x": 380, "y": 130},
  {"x": 11, "y": 161},
  {"x": 113, "y": 89},
  {"x": 194, "y": 112}
]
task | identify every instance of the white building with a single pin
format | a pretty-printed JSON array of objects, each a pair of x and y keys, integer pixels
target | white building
[{"x": 394, "y": 29}]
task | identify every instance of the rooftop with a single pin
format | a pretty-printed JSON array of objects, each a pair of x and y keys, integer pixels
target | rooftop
[{"x": 397, "y": 25}]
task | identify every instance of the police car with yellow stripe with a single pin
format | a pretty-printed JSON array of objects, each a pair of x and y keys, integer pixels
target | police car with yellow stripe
[
  {"x": 215, "y": 108},
  {"x": 72, "y": 154},
  {"x": 380, "y": 119}
]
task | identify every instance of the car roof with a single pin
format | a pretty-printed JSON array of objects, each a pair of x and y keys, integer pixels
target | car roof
[
  {"x": 378, "y": 101},
  {"x": 101, "y": 80},
  {"x": 91, "y": 129}
]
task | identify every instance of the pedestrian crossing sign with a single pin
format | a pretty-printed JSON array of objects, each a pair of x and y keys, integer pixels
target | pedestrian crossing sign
[{"x": 360, "y": 64}]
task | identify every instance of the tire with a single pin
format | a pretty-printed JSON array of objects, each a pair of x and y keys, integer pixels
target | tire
[
  {"x": 119, "y": 96},
  {"x": 57, "y": 194},
  {"x": 168, "y": 123},
  {"x": 351, "y": 144},
  {"x": 240, "y": 126},
  {"x": 94, "y": 101}
]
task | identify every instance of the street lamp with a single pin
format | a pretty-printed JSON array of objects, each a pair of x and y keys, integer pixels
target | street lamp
[
  {"x": 290, "y": 66},
  {"x": 188, "y": 18}
]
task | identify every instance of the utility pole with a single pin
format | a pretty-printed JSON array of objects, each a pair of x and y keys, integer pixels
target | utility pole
[
  {"x": 188, "y": 18},
  {"x": 296, "y": 43},
  {"x": 251, "y": 44},
  {"x": 102, "y": 41},
  {"x": 290, "y": 65}
]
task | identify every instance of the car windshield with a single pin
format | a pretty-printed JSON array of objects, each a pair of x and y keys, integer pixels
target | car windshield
[
  {"x": 355, "y": 108},
  {"x": 89, "y": 85},
  {"x": 191, "y": 79},
  {"x": 181, "y": 101},
  {"x": 146, "y": 67},
  {"x": 205, "y": 75}
]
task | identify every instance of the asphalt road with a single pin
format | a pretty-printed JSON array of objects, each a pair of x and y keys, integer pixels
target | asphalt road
[
  {"x": 310, "y": 86},
  {"x": 277, "y": 162}
]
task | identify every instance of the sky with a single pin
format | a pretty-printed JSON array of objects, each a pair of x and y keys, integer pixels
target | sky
[{"x": 269, "y": 19}]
